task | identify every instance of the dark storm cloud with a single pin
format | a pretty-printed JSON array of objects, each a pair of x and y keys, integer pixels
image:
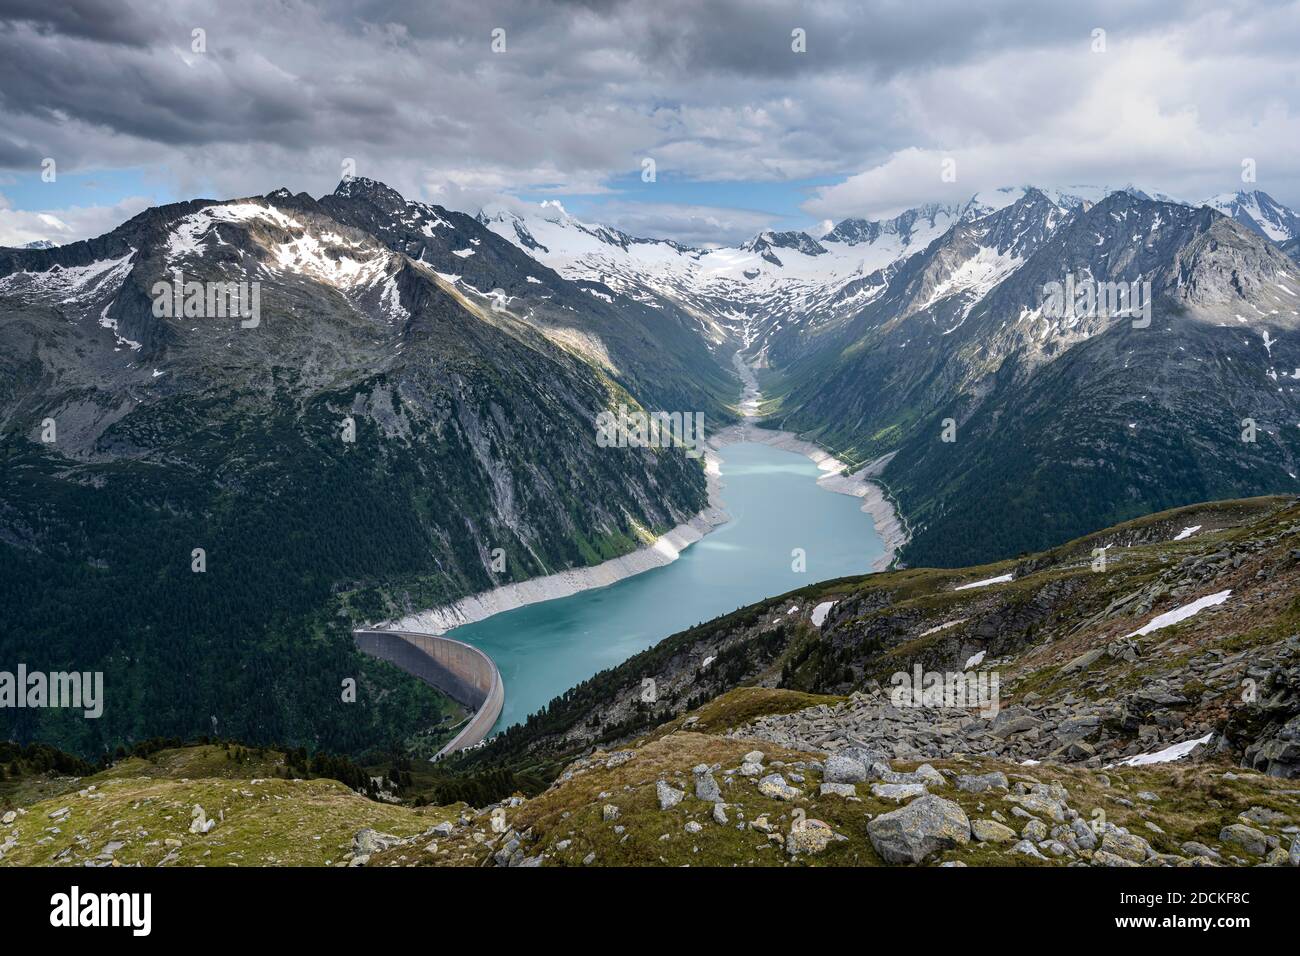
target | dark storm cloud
[
  {"x": 712, "y": 91},
  {"x": 105, "y": 21}
]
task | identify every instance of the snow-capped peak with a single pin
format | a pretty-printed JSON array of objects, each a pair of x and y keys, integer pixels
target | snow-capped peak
[{"x": 1257, "y": 210}]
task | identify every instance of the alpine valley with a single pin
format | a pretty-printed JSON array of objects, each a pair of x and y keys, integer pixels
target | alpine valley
[{"x": 417, "y": 398}]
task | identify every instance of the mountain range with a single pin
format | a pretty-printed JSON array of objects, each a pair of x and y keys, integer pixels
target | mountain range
[
  {"x": 415, "y": 402},
  {"x": 869, "y": 338},
  {"x": 409, "y": 420}
]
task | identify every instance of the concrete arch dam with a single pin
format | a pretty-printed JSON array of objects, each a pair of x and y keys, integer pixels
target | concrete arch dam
[{"x": 461, "y": 671}]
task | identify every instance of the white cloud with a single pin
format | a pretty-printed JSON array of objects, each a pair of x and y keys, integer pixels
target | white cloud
[
  {"x": 1176, "y": 113},
  {"x": 688, "y": 224},
  {"x": 61, "y": 226}
]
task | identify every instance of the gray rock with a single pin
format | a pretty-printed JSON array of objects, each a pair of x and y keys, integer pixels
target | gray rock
[
  {"x": 1248, "y": 838},
  {"x": 812, "y": 836},
  {"x": 980, "y": 783},
  {"x": 1262, "y": 815},
  {"x": 609, "y": 813},
  {"x": 1106, "y": 858},
  {"x": 837, "y": 790},
  {"x": 1084, "y": 838},
  {"x": 668, "y": 796},
  {"x": 867, "y": 756},
  {"x": 897, "y": 791},
  {"x": 841, "y": 769},
  {"x": 1073, "y": 728},
  {"x": 706, "y": 788},
  {"x": 774, "y": 786},
  {"x": 1013, "y": 720},
  {"x": 990, "y": 831},
  {"x": 1035, "y": 830},
  {"x": 1083, "y": 661},
  {"x": 1027, "y": 848},
  {"x": 1130, "y": 846},
  {"x": 1038, "y": 805},
  {"x": 1016, "y": 725},
  {"x": 619, "y": 758},
  {"x": 1192, "y": 848},
  {"x": 925, "y": 775},
  {"x": 368, "y": 841},
  {"x": 926, "y": 826}
]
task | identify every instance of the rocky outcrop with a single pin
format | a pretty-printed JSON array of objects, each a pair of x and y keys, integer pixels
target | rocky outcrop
[{"x": 1266, "y": 731}]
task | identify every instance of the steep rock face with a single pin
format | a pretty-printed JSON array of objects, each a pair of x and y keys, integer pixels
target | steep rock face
[
  {"x": 1266, "y": 733},
  {"x": 381, "y": 439},
  {"x": 765, "y": 245}
]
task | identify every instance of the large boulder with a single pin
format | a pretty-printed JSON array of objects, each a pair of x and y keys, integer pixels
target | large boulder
[
  {"x": 926, "y": 826},
  {"x": 1247, "y": 838},
  {"x": 842, "y": 769}
]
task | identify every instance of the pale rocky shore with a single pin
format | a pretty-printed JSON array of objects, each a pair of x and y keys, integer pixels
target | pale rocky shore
[
  {"x": 665, "y": 550},
  {"x": 668, "y": 547}
]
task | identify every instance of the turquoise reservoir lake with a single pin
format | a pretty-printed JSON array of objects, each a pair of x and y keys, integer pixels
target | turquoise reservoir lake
[{"x": 775, "y": 506}]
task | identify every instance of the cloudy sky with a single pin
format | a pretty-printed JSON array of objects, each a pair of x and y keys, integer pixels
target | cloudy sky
[{"x": 744, "y": 131}]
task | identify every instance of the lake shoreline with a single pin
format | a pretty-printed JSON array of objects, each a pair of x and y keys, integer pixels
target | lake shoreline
[
  {"x": 662, "y": 551},
  {"x": 668, "y": 547}
]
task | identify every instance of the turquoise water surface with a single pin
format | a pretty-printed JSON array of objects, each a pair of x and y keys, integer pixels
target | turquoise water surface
[{"x": 776, "y": 506}]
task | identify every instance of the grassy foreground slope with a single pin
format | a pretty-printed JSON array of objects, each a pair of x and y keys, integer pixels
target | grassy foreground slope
[{"x": 140, "y": 812}]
